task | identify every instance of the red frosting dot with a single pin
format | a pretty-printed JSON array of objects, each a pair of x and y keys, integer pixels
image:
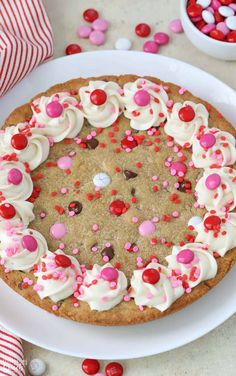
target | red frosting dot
[
  {"x": 7, "y": 211},
  {"x": 212, "y": 222},
  {"x": 98, "y": 97},
  {"x": 129, "y": 143},
  {"x": 62, "y": 261},
  {"x": 19, "y": 141},
  {"x": 151, "y": 276},
  {"x": 90, "y": 366},
  {"x": 186, "y": 113},
  {"x": 73, "y": 49},
  {"x": 114, "y": 369},
  {"x": 117, "y": 207},
  {"x": 90, "y": 15},
  {"x": 142, "y": 30}
]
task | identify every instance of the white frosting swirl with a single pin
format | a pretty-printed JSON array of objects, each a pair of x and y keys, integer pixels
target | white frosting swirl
[
  {"x": 12, "y": 253},
  {"x": 100, "y": 296},
  {"x": 151, "y": 115},
  {"x": 222, "y": 198},
  {"x": 185, "y": 132},
  {"x": 160, "y": 295},
  {"x": 67, "y": 125},
  {"x": 104, "y": 115},
  {"x": 35, "y": 153},
  {"x": 63, "y": 282},
  {"x": 21, "y": 191},
  {"x": 202, "y": 267},
  {"x": 222, "y": 153},
  {"x": 221, "y": 240},
  {"x": 24, "y": 212}
]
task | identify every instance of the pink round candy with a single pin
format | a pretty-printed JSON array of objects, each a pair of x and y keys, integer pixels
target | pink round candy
[
  {"x": 142, "y": 98},
  {"x": 179, "y": 167},
  {"x": 64, "y": 163},
  {"x": 207, "y": 141},
  {"x": 97, "y": 37},
  {"x": 99, "y": 24},
  {"x": 15, "y": 176},
  {"x": 176, "y": 26},
  {"x": 84, "y": 31},
  {"x": 161, "y": 38},
  {"x": 151, "y": 47},
  {"x": 221, "y": 26},
  {"x": 213, "y": 181},
  {"x": 54, "y": 109},
  {"x": 208, "y": 28},
  {"x": 185, "y": 256},
  {"x": 109, "y": 274},
  {"x": 29, "y": 243},
  {"x": 147, "y": 228},
  {"x": 58, "y": 231}
]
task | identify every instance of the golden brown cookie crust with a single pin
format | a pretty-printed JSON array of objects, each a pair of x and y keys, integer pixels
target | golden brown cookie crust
[{"x": 126, "y": 312}]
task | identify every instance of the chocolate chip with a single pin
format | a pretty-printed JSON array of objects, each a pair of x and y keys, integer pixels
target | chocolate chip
[
  {"x": 92, "y": 144},
  {"x": 75, "y": 206},
  {"x": 130, "y": 174},
  {"x": 109, "y": 252},
  {"x": 133, "y": 191},
  {"x": 185, "y": 186}
]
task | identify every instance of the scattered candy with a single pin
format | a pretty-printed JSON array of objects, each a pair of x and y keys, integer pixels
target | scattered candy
[
  {"x": 73, "y": 49},
  {"x": 58, "y": 231},
  {"x": 161, "y": 38},
  {"x": 99, "y": 24},
  {"x": 142, "y": 98},
  {"x": 143, "y": 30},
  {"x": 147, "y": 228},
  {"x": 176, "y": 26},
  {"x": 213, "y": 181},
  {"x": 37, "y": 367},
  {"x": 84, "y": 31},
  {"x": 123, "y": 44},
  {"x": 90, "y": 15},
  {"x": 150, "y": 46},
  {"x": 212, "y": 222},
  {"x": 114, "y": 369},
  {"x": 63, "y": 261},
  {"x": 109, "y": 274},
  {"x": 101, "y": 180},
  {"x": 64, "y": 163},
  {"x": 90, "y": 366},
  {"x": 29, "y": 243},
  {"x": 194, "y": 221},
  {"x": 98, "y": 97},
  {"x": 97, "y": 37}
]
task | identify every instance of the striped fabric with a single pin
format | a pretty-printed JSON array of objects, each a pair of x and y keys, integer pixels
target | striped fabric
[
  {"x": 11, "y": 355},
  {"x": 26, "y": 39}
]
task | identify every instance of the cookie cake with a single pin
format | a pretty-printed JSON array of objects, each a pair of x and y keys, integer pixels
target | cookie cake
[{"x": 117, "y": 199}]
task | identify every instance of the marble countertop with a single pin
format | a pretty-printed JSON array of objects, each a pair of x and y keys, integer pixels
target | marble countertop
[{"x": 213, "y": 354}]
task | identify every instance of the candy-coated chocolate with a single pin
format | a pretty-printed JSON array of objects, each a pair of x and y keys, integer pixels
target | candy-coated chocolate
[
  {"x": 98, "y": 97},
  {"x": 90, "y": 366},
  {"x": 142, "y": 98},
  {"x": 19, "y": 141},
  {"x": 15, "y": 176},
  {"x": 147, "y": 228},
  {"x": 29, "y": 243},
  {"x": 150, "y": 47},
  {"x": 143, "y": 30},
  {"x": 185, "y": 256},
  {"x": 212, "y": 222},
  {"x": 90, "y": 15},
  {"x": 7, "y": 211},
  {"x": 109, "y": 274},
  {"x": 97, "y": 37},
  {"x": 186, "y": 113},
  {"x": 213, "y": 181},
  {"x": 84, "y": 31},
  {"x": 207, "y": 141},
  {"x": 54, "y": 109},
  {"x": 123, "y": 44},
  {"x": 58, "y": 231},
  {"x": 161, "y": 38}
]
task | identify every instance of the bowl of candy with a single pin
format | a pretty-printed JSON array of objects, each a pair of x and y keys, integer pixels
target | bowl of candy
[{"x": 211, "y": 26}]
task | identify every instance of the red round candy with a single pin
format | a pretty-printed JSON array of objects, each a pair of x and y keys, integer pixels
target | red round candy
[
  {"x": 90, "y": 366},
  {"x": 114, "y": 369},
  {"x": 186, "y": 113},
  {"x": 117, "y": 207},
  {"x": 98, "y": 97},
  {"x": 130, "y": 144},
  {"x": 218, "y": 17},
  {"x": 62, "y": 261},
  {"x": 194, "y": 10},
  {"x": 212, "y": 222},
  {"x": 19, "y": 141},
  {"x": 7, "y": 211},
  {"x": 151, "y": 276},
  {"x": 217, "y": 34},
  {"x": 90, "y": 15},
  {"x": 73, "y": 49},
  {"x": 231, "y": 37},
  {"x": 143, "y": 30}
]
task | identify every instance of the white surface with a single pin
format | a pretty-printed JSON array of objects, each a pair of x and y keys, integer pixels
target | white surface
[{"x": 72, "y": 338}]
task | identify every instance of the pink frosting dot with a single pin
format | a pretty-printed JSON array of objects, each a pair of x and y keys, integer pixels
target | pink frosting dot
[
  {"x": 161, "y": 38},
  {"x": 100, "y": 24},
  {"x": 213, "y": 181},
  {"x": 176, "y": 26},
  {"x": 150, "y": 46},
  {"x": 97, "y": 37},
  {"x": 109, "y": 274},
  {"x": 147, "y": 228},
  {"x": 207, "y": 141},
  {"x": 64, "y": 163},
  {"x": 58, "y": 231},
  {"x": 84, "y": 31},
  {"x": 29, "y": 243},
  {"x": 142, "y": 98},
  {"x": 54, "y": 109},
  {"x": 185, "y": 256},
  {"x": 14, "y": 176}
]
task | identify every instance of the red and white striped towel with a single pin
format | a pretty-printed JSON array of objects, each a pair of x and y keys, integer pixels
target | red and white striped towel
[
  {"x": 11, "y": 355},
  {"x": 26, "y": 39}
]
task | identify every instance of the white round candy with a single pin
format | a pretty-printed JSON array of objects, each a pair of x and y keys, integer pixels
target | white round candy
[
  {"x": 123, "y": 44},
  {"x": 204, "y": 3},
  {"x": 226, "y": 11},
  {"x": 208, "y": 17},
  {"x": 101, "y": 180},
  {"x": 37, "y": 367},
  {"x": 231, "y": 22},
  {"x": 194, "y": 221}
]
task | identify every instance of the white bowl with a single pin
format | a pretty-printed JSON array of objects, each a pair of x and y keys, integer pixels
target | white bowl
[{"x": 212, "y": 47}]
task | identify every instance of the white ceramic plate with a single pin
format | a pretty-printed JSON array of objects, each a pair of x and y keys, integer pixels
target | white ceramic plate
[{"x": 67, "y": 337}]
